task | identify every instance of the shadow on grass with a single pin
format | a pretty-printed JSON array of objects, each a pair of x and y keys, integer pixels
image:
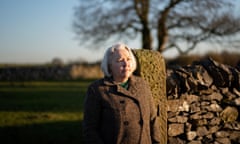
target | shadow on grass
[
  {"x": 41, "y": 101},
  {"x": 67, "y": 132}
]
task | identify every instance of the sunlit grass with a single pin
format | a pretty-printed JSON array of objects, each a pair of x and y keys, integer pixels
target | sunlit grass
[
  {"x": 28, "y": 118},
  {"x": 41, "y": 112},
  {"x": 48, "y": 84}
]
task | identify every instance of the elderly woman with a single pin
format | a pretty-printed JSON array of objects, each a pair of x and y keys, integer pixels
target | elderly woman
[{"x": 119, "y": 108}]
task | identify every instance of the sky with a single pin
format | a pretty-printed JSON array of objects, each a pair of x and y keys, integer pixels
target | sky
[{"x": 37, "y": 31}]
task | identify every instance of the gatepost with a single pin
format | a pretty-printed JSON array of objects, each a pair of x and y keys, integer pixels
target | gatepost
[{"x": 151, "y": 66}]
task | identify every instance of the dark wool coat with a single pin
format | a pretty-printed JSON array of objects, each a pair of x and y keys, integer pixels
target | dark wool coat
[{"x": 114, "y": 115}]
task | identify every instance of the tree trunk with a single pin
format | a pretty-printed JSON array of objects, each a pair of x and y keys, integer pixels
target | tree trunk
[
  {"x": 146, "y": 38},
  {"x": 162, "y": 31},
  {"x": 142, "y": 10}
]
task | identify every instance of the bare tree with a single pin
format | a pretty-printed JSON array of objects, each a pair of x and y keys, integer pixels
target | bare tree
[{"x": 162, "y": 24}]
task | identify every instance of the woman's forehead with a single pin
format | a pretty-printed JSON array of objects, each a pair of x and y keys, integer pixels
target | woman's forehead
[{"x": 121, "y": 53}]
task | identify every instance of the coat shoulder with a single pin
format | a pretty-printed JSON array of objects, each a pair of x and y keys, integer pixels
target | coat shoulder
[
  {"x": 140, "y": 80},
  {"x": 97, "y": 83}
]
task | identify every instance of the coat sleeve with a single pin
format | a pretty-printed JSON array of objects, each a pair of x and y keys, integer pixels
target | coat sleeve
[
  {"x": 154, "y": 124},
  {"x": 91, "y": 118}
]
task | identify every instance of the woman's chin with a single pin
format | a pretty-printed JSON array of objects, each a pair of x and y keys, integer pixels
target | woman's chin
[{"x": 126, "y": 75}]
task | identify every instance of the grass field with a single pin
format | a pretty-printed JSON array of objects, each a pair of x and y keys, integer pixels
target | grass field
[{"x": 41, "y": 112}]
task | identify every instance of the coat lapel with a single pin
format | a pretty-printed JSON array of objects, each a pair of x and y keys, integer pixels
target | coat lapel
[{"x": 131, "y": 92}]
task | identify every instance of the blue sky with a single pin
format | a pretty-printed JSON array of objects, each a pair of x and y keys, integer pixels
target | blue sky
[{"x": 36, "y": 31}]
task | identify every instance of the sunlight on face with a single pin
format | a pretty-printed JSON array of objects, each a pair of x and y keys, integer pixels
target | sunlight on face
[{"x": 121, "y": 65}]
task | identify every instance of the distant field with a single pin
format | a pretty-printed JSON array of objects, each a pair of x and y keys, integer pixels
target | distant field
[{"x": 41, "y": 112}]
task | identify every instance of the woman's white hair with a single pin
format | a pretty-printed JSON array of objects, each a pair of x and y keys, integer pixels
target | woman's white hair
[{"x": 107, "y": 57}]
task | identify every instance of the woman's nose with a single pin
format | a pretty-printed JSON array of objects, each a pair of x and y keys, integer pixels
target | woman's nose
[{"x": 125, "y": 63}]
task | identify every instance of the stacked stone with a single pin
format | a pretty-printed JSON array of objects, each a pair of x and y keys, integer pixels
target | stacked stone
[
  {"x": 86, "y": 71},
  {"x": 31, "y": 73},
  {"x": 203, "y": 103},
  {"x": 36, "y": 73}
]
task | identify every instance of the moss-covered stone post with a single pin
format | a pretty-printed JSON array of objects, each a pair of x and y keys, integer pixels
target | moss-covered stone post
[{"x": 151, "y": 66}]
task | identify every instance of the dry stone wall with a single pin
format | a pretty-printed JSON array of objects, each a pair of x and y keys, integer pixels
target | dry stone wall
[
  {"x": 30, "y": 73},
  {"x": 203, "y": 103},
  {"x": 55, "y": 72}
]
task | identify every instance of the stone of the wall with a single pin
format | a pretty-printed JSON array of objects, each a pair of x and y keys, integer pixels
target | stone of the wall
[
  {"x": 203, "y": 103},
  {"x": 31, "y": 73},
  {"x": 54, "y": 72},
  {"x": 81, "y": 71},
  {"x": 151, "y": 66}
]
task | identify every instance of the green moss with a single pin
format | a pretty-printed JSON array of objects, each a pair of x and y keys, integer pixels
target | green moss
[{"x": 151, "y": 66}]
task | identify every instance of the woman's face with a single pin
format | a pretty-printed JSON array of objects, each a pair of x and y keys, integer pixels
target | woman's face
[{"x": 121, "y": 65}]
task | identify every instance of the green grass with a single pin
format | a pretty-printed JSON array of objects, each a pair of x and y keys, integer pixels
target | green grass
[{"x": 41, "y": 112}]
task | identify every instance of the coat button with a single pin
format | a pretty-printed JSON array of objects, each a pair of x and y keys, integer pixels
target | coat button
[
  {"x": 141, "y": 122},
  {"x": 122, "y": 101},
  {"x": 126, "y": 123}
]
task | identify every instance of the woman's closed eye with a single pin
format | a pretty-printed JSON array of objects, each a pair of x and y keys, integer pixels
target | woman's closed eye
[{"x": 122, "y": 59}]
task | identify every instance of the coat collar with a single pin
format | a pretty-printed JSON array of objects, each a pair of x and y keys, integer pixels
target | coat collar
[
  {"x": 131, "y": 92},
  {"x": 109, "y": 81}
]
